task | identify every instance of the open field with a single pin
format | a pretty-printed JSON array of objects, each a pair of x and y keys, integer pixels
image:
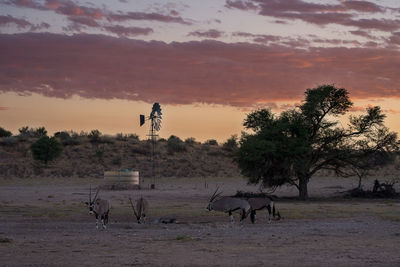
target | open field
[{"x": 44, "y": 222}]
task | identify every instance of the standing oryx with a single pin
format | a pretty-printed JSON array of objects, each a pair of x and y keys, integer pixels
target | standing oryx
[
  {"x": 228, "y": 204},
  {"x": 259, "y": 203},
  {"x": 99, "y": 207},
  {"x": 141, "y": 209}
]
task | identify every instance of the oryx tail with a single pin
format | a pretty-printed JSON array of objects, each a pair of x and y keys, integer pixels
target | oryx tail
[{"x": 141, "y": 209}]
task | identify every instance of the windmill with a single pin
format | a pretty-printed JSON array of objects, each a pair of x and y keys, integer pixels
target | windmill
[{"x": 155, "y": 126}]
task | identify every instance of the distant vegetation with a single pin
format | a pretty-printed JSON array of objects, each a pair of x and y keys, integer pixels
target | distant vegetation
[
  {"x": 71, "y": 154},
  {"x": 289, "y": 148}
]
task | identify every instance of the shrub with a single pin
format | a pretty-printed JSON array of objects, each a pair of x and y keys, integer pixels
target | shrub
[
  {"x": 8, "y": 141},
  {"x": 39, "y": 132},
  {"x": 106, "y": 139},
  {"x": 94, "y": 136},
  {"x": 117, "y": 160},
  {"x": 190, "y": 141},
  {"x": 175, "y": 144},
  {"x": 133, "y": 136},
  {"x": 46, "y": 149},
  {"x": 231, "y": 144},
  {"x": 62, "y": 135},
  {"x": 121, "y": 137},
  {"x": 26, "y": 132},
  {"x": 211, "y": 142},
  {"x": 71, "y": 141},
  {"x": 4, "y": 133}
]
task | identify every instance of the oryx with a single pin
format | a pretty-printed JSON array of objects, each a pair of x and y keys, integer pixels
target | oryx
[
  {"x": 98, "y": 207},
  {"x": 141, "y": 209},
  {"x": 228, "y": 204},
  {"x": 259, "y": 203}
]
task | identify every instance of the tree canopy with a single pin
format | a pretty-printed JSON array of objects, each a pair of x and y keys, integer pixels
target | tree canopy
[
  {"x": 46, "y": 149},
  {"x": 290, "y": 147}
]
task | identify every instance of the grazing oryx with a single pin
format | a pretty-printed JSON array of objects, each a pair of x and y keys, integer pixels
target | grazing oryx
[
  {"x": 259, "y": 203},
  {"x": 141, "y": 209},
  {"x": 228, "y": 204},
  {"x": 99, "y": 207}
]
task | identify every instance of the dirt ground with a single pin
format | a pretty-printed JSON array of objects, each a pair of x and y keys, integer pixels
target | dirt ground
[{"x": 44, "y": 222}]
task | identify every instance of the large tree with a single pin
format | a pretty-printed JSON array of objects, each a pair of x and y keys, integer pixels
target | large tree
[{"x": 289, "y": 148}]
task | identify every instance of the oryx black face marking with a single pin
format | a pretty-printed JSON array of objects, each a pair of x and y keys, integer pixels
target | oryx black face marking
[{"x": 99, "y": 207}]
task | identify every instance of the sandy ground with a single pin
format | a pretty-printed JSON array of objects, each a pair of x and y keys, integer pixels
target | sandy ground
[{"x": 45, "y": 223}]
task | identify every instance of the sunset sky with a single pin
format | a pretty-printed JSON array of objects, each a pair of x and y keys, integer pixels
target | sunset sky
[{"x": 83, "y": 65}]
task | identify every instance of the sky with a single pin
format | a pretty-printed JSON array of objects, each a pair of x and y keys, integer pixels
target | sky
[{"x": 84, "y": 65}]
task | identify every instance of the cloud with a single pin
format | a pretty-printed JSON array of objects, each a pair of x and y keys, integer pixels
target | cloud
[
  {"x": 207, "y": 34},
  {"x": 21, "y": 23},
  {"x": 80, "y": 14},
  {"x": 146, "y": 16},
  {"x": 344, "y": 13},
  {"x": 3, "y": 108},
  {"x": 128, "y": 31},
  {"x": 363, "y": 34},
  {"x": 394, "y": 38},
  {"x": 239, "y": 4},
  {"x": 237, "y": 74}
]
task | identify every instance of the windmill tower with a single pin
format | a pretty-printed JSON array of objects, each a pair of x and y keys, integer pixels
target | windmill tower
[{"x": 155, "y": 125}]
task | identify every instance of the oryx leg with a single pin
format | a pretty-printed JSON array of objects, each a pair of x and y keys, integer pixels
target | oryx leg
[
  {"x": 269, "y": 213},
  {"x": 253, "y": 216},
  {"x": 104, "y": 221},
  {"x": 97, "y": 221},
  {"x": 231, "y": 216},
  {"x": 243, "y": 214}
]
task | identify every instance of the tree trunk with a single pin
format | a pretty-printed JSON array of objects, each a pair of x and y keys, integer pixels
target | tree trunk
[{"x": 303, "y": 193}]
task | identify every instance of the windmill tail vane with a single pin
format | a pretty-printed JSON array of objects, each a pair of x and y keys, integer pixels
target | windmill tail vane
[{"x": 155, "y": 117}]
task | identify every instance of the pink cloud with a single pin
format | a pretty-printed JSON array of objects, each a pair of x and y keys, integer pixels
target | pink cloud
[
  {"x": 21, "y": 23},
  {"x": 239, "y": 4},
  {"x": 207, "y": 34},
  {"x": 344, "y": 13},
  {"x": 80, "y": 14},
  {"x": 238, "y": 74},
  {"x": 87, "y": 21},
  {"x": 395, "y": 38},
  {"x": 3, "y": 108},
  {"x": 128, "y": 31},
  {"x": 146, "y": 16},
  {"x": 363, "y": 34}
]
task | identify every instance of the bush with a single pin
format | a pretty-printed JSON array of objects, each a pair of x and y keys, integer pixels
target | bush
[
  {"x": 190, "y": 141},
  {"x": 231, "y": 144},
  {"x": 46, "y": 149},
  {"x": 94, "y": 136},
  {"x": 121, "y": 137},
  {"x": 175, "y": 144},
  {"x": 211, "y": 142},
  {"x": 62, "y": 135},
  {"x": 134, "y": 137},
  {"x": 8, "y": 141},
  {"x": 70, "y": 141},
  {"x": 26, "y": 132},
  {"x": 4, "y": 133}
]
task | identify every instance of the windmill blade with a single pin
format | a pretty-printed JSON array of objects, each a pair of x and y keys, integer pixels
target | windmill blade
[
  {"x": 142, "y": 119},
  {"x": 156, "y": 109}
]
